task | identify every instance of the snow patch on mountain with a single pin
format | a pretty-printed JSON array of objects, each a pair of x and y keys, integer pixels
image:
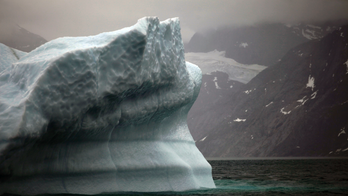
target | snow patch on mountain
[
  {"x": 310, "y": 83},
  {"x": 248, "y": 91},
  {"x": 216, "y": 84},
  {"x": 342, "y": 132},
  {"x": 244, "y": 45},
  {"x": 302, "y": 100},
  {"x": 313, "y": 95},
  {"x": 269, "y": 104},
  {"x": 203, "y": 139},
  {"x": 308, "y": 34},
  {"x": 239, "y": 120},
  {"x": 284, "y": 112}
]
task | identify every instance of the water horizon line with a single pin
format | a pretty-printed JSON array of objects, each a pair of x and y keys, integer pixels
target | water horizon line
[{"x": 268, "y": 158}]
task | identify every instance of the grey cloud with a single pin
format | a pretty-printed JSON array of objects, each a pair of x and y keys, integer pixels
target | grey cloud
[{"x": 56, "y": 18}]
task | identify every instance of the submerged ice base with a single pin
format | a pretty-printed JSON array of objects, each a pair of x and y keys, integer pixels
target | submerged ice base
[{"x": 101, "y": 114}]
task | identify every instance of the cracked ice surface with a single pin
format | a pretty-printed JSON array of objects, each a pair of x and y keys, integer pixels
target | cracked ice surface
[{"x": 98, "y": 114}]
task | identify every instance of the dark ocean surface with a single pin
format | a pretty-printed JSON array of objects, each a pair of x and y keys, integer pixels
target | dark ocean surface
[
  {"x": 275, "y": 177},
  {"x": 272, "y": 177}
]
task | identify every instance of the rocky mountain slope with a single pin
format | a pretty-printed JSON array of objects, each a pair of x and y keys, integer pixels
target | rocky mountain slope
[
  {"x": 222, "y": 78},
  {"x": 298, "y": 107}
]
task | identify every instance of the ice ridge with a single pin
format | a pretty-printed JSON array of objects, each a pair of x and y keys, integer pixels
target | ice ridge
[{"x": 101, "y": 114}]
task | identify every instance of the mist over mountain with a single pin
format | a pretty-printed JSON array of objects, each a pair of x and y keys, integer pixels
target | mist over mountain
[
  {"x": 19, "y": 38},
  {"x": 297, "y": 107},
  {"x": 263, "y": 44}
]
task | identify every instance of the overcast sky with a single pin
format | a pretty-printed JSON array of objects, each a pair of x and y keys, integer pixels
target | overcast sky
[{"x": 57, "y": 18}]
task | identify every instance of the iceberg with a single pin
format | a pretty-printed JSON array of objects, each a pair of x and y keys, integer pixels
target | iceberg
[
  {"x": 9, "y": 56},
  {"x": 101, "y": 114}
]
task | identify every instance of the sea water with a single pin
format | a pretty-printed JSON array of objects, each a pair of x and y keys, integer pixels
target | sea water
[{"x": 275, "y": 177}]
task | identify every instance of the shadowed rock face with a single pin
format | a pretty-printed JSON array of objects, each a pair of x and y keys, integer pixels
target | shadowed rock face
[{"x": 100, "y": 114}]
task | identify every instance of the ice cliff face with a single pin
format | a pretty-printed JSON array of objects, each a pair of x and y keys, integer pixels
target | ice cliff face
[{"x": 98, "y": 114}]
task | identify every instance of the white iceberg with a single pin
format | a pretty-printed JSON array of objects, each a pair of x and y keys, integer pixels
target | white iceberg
[{"x": 101, "y": 114}]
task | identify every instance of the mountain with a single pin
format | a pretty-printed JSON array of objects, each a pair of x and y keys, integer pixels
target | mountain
[
  {"x": 297, "y": 107},
  {"x": 211, "y": 103},
  {"x": 19, "y": 38},
  {"x": 222, "y": 78},
  {"x": 262, "y": 44}
]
